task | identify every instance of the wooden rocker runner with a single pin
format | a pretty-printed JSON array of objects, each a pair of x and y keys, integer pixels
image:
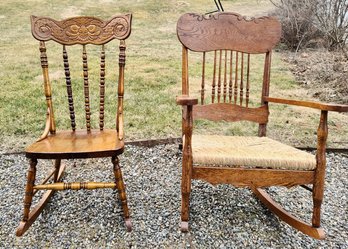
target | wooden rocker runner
[
  {"x": 75, "y": 143},
  {"x": 227, "y": 42}
]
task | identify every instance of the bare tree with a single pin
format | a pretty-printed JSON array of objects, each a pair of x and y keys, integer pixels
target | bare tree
[
  {"x": 306, "y": 20},
  {"x": 332, "y": 20},
  {"x": 296, "y": 17}
]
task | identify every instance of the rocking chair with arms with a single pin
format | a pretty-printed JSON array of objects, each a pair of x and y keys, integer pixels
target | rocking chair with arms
[
  {"x": 88, "y": 143},
  {"x": 253, "y": 161}
]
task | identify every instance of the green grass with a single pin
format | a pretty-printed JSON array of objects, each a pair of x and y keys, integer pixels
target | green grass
[{"x": 152, "y": 79}]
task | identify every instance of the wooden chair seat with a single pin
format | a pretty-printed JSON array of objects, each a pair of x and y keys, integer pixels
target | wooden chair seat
[
  {"x": 77, "y": 144},
  {"x": 249, "y": 152}
]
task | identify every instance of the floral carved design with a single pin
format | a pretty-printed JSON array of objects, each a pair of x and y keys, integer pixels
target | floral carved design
[{"x": 81, "y": 30}]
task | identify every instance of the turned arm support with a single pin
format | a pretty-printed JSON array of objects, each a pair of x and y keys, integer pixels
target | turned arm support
[
  {"x": 322, "y": 132},
  {"x": 311, "y": 104},
  {"x": 187, "y": 103}
]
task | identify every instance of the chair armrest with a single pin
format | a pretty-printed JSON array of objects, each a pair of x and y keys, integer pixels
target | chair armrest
[
  {"x": 186, "y": 100},
  {"x": 311, "y": 104}
]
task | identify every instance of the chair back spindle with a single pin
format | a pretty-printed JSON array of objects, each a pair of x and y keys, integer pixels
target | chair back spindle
[
  {"x": 47, "y": 86},
  {"x": 69, "y": 89},
  {"x": 214, "y": 77},
  {"x": 241, "y": 79},
  {"x": 203, "y": 80},
  {"x": 236, "y": 80},
  {"x": 102, "y": 88},
  {"x": 219, "y": 77},
  {"x": 248, "y": 83},
  {"x": 230, "y": 81},
  {"x": 225, "y": 77},
  {"x": 86, "y": 88}
]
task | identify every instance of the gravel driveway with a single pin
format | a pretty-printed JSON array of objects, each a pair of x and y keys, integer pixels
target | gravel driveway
[{"x": 222, "y": 216}]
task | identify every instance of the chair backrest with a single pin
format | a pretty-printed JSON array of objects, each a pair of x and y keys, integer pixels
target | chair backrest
[
  {"x": 230, "y": 39},
  {"x": 83, "y": 31}
]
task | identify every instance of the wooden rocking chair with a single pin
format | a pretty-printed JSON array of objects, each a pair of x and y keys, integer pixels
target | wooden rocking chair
[
  {"x": 254, "y": 161},
  {"x": 88, "y": 143}
]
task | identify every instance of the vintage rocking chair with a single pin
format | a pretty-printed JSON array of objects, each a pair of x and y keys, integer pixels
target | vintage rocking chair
[
  {"x": 88, "y": 143},
  {"x": 254, "y": 161}
]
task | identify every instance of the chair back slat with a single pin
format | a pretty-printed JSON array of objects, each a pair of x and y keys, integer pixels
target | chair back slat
[
  {"x": 86, "y": 88},
  {"x": 203, "y": 80},
  {"x": 102, "y": 88},
  {"x": 228, "y": 112},
  {"x": 69, "y": 89}
]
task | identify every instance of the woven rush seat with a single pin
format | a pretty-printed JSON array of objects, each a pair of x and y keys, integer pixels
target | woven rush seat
[{"x": 249, "y": 152}]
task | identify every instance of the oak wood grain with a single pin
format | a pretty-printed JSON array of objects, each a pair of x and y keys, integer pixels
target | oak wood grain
[
  {"x": 311, "y": 104},
  {"x": 245, "y": 177},
  {"x": 230, "y": 112},
  {"x": 81, "y": 30},
  {"x": 227, "y": 30},
  {"x": 77, "y": 144}
]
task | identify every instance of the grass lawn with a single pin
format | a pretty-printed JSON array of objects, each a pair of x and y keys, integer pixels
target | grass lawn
[{"x": 153, "y": 74}]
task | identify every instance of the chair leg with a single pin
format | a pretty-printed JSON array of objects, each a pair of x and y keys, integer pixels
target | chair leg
[
  {"x": 121, "y": 192},
  {"x": 318, "y": 193},
  {"x": 30, "y": 216},
  {"x": 185, "y": 195}
]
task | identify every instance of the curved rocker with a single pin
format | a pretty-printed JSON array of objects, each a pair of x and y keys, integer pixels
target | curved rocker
[
  {"x": 266, "y": 199},
  {"x": 24, "y": 225}
]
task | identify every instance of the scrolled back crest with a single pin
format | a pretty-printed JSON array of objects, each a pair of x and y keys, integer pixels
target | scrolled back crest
[{"x": 81, "y": 30}]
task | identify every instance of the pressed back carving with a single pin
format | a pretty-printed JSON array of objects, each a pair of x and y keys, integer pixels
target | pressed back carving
[
  {"x": 228, "y": 42},
  {"x": 203, "y": 33},
  {"x": 83, "y": 31}
]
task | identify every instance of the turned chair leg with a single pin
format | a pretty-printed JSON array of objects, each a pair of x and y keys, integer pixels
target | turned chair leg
[
  {"x": 185, "y": 196},
  {"x": 28, "y": 196},
  {"x": 29, "y": 216},
  {"x": 121, "y": 192},
  {"x": 29, "y": 189}
]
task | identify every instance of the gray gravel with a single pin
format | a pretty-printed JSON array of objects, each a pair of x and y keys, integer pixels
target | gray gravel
[{"x": 221, "y": 216}]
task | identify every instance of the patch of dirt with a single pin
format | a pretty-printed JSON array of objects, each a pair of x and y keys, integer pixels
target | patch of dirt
[{"x": 323, "y": 73}]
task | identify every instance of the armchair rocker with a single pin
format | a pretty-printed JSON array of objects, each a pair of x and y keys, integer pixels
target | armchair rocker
[
  {"x": 75, "y": 143},
  {"x": 254, "y": 161}
]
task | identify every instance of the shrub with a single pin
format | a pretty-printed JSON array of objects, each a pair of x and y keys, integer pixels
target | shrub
[{"x": 304, "y": 21}]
